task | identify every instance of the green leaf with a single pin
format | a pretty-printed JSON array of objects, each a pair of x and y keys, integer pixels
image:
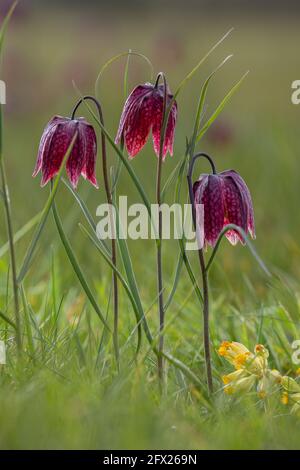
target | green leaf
[
  {"x": 43, "y": 218},
  {"x": 86, "y": 212},
  {"x": 7, "y": 320},
  {"x": 194, "y": 70},
  {"x": 248, "y": 243},
  {"x": 220, "y": 108},
  {"x": 21, "y": 233},
  {"x": 5, "y": 24},
  {"x": 75, "y": 265},
  {"x": 201, "y": 103},
  {"x": 120, "y": 277}
]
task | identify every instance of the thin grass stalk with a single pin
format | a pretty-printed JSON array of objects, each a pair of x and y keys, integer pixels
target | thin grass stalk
[{"x": 10, "y": 233}]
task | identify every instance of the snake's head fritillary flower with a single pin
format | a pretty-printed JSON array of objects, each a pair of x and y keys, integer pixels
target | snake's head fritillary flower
[
  {"x": 143, "y": 112},
  {"x": 227, "y": 200},
  {"x": 55, "y": 141}
]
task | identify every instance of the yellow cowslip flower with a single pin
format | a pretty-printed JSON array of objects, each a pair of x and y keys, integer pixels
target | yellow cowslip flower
[
  {"x": 285, "y": 398},
  {"x": 251, "y": 368},
  {"x": 240, "y": 357},
  {"x": 241, "y": 385},
  {"x": 276, "y": 376},
  {"x": 233, "y": 376},
  {"x": 291, "y": 394},
  {"x": 236, "y": 353},
  {"x": 298, "y": 371}
]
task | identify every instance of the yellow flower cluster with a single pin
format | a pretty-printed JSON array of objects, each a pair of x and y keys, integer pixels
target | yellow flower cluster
[
  {"x": 251, "y": 369},
  {"x": 291, "y": 394}
]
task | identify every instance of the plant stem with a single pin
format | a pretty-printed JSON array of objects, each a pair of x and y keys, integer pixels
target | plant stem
[
  {"x": 161, "y": 310},
  {"x": 12, "y": 254},
  {"x": 206, "y": 321},
  {"x": 112, "y": 223},
  {"x": 203, "y": 272}
]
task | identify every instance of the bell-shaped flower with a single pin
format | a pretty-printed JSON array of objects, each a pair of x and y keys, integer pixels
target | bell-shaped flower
[
  {"x": 143, "y": 112},
  {"x": 55, "y": 141},
  {"x": 227, "y": 200}
]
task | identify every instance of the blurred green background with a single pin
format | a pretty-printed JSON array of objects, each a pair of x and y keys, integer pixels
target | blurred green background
[
  {"x": 48, "y": 45},
  {"x": 51, "y": 44}
]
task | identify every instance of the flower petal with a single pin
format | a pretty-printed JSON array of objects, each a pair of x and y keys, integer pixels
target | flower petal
[
  {"x": 208, "y": 191},
  {"x": 132, "y": 101},
  {"x": 157, "y": 123},
  {"x": 245, "y": 193},
  {"x": 45, "y": 142},
  {"x": 89, "y": 167},
  {"x": 138, "y": 124},
  {"x": 76, "y": 159},
  {"x": 61, "y": 139},
  {"x": 235, "y": 209}
]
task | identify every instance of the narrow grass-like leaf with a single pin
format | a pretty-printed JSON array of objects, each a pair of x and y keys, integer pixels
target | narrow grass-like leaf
[
  {"x": 44, "y": 215},
  {"x": 122, "y": 280},
  {"x": 127, "y": 263},
  {"x": 76, "y": 267},
  {"x": 171, "y": 178},
  {"x": 194, "y": 70},
  {"x": 85, "y": 212},
  {"x": 27, "y": 322},
  {"x": 246, "y": 240},
  {"x": 7, "y": 320},
  {"x": 201, "y": 103},
  {"x": 5, "y": 24},
  {"x": 21, "y": 233},
  {"x": 175, "y": 282},
  {"x": 220, "y": 108}
]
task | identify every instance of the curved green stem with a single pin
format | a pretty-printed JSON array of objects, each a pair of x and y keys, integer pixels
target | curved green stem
[{"x": 247, "y": 242}]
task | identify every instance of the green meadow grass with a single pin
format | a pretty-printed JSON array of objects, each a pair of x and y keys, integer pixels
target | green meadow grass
[{"x": 65, "y": 391}]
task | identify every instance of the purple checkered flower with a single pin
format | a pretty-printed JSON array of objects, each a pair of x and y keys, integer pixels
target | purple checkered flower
[
  {"x": 143, "y": 112},
  {"x": 227, "y": 200},
  {"x": 56, "y": 139}
]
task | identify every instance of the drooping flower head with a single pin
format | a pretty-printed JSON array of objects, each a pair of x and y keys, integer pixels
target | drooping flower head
[
  {"x": 143, "y": 112},
  {"x": 55, "y": 141},
  {"x": 227, "y": 200}
]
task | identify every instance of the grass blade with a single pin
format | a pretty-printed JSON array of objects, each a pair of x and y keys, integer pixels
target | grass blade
[
  {"x": 247, "y": 242},
  {"x": 21, "y": 233},
  {"x": 220, "y": 108},
  {"x": 7, "y": 320},
  {"x": 44, "y": 215},
  {"x": 201, "y": 103},
  {"x": 85, "y": 212},
  {"x": 75, "y": 265}
]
